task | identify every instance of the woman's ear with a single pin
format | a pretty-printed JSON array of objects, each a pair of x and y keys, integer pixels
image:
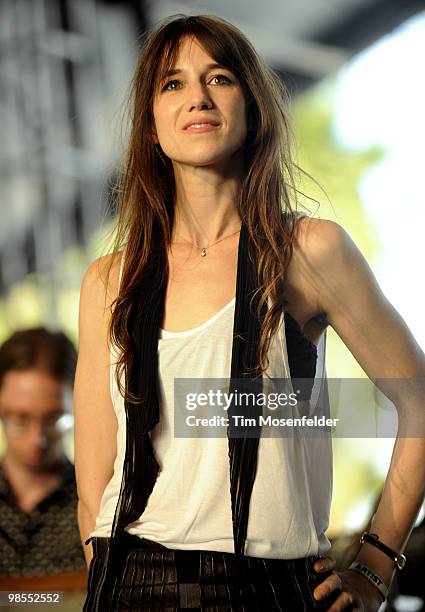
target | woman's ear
[{"x": 154, "y": 137}]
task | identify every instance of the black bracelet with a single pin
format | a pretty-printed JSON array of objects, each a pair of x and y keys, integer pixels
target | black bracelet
[{"x": 373, "y": 538}]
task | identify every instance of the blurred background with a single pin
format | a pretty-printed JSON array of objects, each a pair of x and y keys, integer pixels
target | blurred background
[{"x": 355, "y": 72}]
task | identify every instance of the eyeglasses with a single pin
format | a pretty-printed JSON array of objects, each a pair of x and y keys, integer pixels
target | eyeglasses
[{"x": 19, "y": 425}]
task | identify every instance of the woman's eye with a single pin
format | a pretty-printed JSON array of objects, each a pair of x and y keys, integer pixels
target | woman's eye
[
  {"x": 167, "y": 85},
  {"x": 221, "y": 78}
]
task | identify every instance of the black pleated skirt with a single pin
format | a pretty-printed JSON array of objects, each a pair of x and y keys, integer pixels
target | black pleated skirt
[{"x": 153, "y": 577}]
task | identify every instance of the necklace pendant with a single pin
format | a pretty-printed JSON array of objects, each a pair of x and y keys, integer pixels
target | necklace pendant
[{"x": 203, "y": 252}]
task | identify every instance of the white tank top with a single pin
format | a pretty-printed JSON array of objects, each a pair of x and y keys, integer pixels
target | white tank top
[{"x": 190, "y": 505}]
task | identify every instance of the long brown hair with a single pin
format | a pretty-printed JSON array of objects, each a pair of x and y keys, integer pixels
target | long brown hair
[{"x": 267, "y": 199}]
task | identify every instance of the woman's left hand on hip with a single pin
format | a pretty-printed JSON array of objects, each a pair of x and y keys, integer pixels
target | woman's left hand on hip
[{"x": 357, "y": 594}]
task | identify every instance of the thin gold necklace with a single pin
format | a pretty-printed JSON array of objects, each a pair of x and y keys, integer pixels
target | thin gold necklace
[{"x": 204, "y": 249}]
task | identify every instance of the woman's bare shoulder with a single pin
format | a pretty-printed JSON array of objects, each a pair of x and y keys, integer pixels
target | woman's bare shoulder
[
  {"x": 315, "y": 237},
  {"x": 315, "y": 242},
  {"x": 101, "y": 278}
]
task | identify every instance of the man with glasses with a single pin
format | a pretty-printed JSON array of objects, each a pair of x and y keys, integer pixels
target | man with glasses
[{"x": 38, "y": 527}]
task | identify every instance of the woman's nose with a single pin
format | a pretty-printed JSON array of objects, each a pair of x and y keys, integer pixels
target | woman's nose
[{"x": 199, "y": 98}]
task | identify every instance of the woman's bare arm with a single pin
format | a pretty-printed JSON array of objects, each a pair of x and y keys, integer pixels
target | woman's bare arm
[
  {"x": 349, "y": 296},
  {"x": 95, "y": 421}
]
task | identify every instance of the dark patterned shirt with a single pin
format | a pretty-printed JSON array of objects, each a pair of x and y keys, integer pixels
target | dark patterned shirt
[{"x": 46, "y": 541}]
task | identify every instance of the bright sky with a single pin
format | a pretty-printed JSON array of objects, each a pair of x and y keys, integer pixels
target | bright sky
[{"x": 380, "y": 99}]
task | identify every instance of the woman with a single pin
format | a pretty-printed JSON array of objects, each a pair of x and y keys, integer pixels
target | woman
[{"x": 214, "y": 255}]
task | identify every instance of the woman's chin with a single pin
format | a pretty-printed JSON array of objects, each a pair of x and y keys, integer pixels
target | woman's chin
[{"x": 206, "y": 160}]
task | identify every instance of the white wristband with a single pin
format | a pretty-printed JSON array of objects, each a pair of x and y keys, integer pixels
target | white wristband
[{"x": 376, "y": 580}]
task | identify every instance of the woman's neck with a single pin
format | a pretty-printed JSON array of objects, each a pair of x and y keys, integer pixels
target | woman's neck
[{"x": 205, "y": 208}]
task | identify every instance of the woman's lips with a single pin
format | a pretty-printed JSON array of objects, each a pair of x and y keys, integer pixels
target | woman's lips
[{"x": 202, "y": 127}]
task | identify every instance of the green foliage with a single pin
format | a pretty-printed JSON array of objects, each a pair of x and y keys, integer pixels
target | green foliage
[{"x": 336, "y": 170}]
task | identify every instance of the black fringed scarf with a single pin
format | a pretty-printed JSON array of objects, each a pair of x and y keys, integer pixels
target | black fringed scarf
[{"x": 141, "y": 469}]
